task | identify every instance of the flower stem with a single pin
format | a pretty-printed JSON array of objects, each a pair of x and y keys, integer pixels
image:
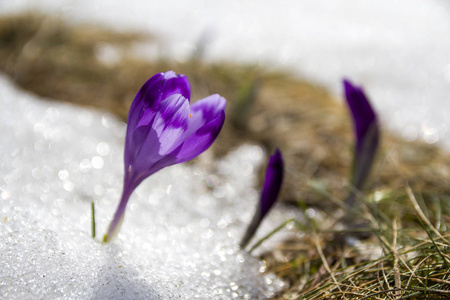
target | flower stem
[
  {"x": 116, "y": 223},
  {"x": 251, "y": 229}
]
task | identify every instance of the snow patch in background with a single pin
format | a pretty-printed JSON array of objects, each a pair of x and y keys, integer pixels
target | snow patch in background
[
  {"x": 178, "y": 240},
  {"x": 398, "y": 50}
]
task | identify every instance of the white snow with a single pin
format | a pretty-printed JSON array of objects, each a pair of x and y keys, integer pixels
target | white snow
[
  {"x": 398, "y": 49},
  {"x": 178, "y": 240}
]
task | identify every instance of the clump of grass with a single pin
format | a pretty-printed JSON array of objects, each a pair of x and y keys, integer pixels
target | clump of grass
[
  {"x": 397, "y": 263},
  {"x": 406, "y": 207},
  {"x": 405, "y": 253}
]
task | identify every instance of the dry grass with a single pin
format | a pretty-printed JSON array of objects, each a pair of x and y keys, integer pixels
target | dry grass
[
  {"x": 401, "y": 260},
  {"x": 403, "y": 211}
]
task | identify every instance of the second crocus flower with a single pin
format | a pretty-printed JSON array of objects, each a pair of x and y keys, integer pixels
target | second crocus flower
[{"x": 269, "y": 195}]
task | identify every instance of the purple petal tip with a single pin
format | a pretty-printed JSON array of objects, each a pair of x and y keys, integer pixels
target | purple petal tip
[
  {"x": 364, "y": 116},
  {"x": 272, "y": 182},
  {"x": 169, "y": 74}
]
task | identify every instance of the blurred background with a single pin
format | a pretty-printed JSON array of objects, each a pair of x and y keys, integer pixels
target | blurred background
[{"x": 398, "y": 50}]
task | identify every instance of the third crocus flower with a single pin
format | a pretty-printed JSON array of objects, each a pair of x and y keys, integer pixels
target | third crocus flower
[
  {"x": 163, "y": 129},
  {"x": 367, "y": 136}
]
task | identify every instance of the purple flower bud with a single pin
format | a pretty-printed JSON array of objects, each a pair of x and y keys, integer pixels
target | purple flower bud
[
  {"x": 367, "y": 135},
  {"x": 164, "y": 129},
  {"x": 269, "y": 195}
]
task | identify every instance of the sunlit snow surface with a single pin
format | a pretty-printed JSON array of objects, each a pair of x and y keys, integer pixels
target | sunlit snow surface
[
  {"x": 178, "y": 240},
  {"x": 398, "y": 49}
]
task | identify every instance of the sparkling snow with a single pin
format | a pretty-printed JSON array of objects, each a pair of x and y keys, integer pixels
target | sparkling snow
[{"x": 178, "y": 240}]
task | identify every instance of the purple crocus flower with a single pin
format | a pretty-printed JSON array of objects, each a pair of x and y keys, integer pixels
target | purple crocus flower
[
  {"x": 367, "y": 134},
  {"x": 269, "y": 195},
  {"x": 164, "y": 129}
]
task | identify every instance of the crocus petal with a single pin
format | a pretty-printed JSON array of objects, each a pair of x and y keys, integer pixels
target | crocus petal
[
  {"x": 145, "y": 106},
  {"x": 176, "y": 84},
  {"x": 269, "y": 195},
  {"x": 205, "y": 122},
  {"x": 171, "y": 122},
  {"x": 167, "y": 133},
  {"x": 146, "y": 101},
  {"x": 142, "y": 110},
  {"x": 363, "y": 115},
  {"x": 272, "y": 182},
  {"x": 147, "y": 157},
  {"x": 208, "y": 116},
  {"x": 365, "y": 156},
  {"x": 367, "y": 136}
]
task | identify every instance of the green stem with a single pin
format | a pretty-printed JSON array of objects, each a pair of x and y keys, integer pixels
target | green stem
[
  {"x": 93, "y": 219},
  {"x": 270, "y": 234}
]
